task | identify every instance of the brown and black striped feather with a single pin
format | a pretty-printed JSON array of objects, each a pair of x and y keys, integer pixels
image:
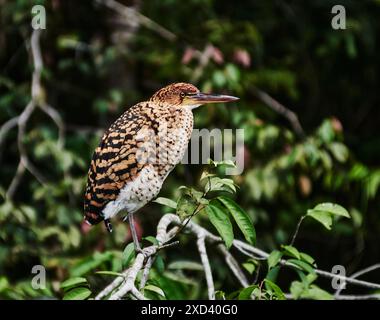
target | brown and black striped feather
[{"x": 114, "y": 161}]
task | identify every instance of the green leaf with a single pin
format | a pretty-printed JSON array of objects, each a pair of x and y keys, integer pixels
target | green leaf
[
  {"x": 322, "y": 217},
  {"x": 205, "y": 175},
  {"x": 303, "y": 265},
  {"x": 77, "y": 294},
  {"x": 222, "y": 223},
  {"x": 155, "y": 289},
  {"x": 249, "y": 266},
  {"x": 291, "y": 251},
  {"x": 271, "y": 286},
  {"x": 227, "y": 163},
  {"x": 339, "y": 151},
  {"x": 333, "y": 208},
  {"x": 219, "y": 184},
  {"x": 326, "y": 131},
  {"x": 4, "y": 284},
  {"x": 274, "y": 258},
  {"x": 232, "y": 72},
  {"x": 302, "y": 290},
  {"x": 296, "y": 289},
  {"x": 73, "y": 282},
  {"x": 128, "y": 254},
  {"x": 159, "y": 264},
  {"x": 220, "y": 295},
  {"x": 305, "y": 257},
  {"x": 166, "y": 202},
  {"x": 246, "y": 293},
  {"x": 186, "y": 206},
  {"x": 241, "y": 217},
  {"x": 219, "y": 78},
  {"x": 152, "y": 240},
  {"x": 273, "y": 273},
  {"x": 316, "y": 293}
]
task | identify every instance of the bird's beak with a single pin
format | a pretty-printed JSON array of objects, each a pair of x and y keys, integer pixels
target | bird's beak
[{"x": 203, "y": 98}]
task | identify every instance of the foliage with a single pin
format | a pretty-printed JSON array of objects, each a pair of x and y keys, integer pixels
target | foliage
[{"x": 94, "y": 67}]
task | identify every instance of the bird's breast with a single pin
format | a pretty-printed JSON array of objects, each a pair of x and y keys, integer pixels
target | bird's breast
[
  {"x": 160, "y": 145},
  {"x": 172, "y": 140}
]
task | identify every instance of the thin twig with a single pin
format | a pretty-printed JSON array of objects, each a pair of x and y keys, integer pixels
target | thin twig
[
  {"x": 374, "y": 296},
  {"x": 206, "y": 266},
  {"x": 56, "y": 117},
  {"x": 358, "y": 274},
  {"x": 137, "y": 294},
  {"x": 112, "y": 286},
  {"x": 233, "y": 265},
  {"x": 136, "y": 18},
  {"x": 281, "y": 109},
  {"x": 5, "y": 128},
  {"x": 37, "y": 100},
  {"x": 24, "y": 117},
  {"x": 203, "y": 58},
  {"x": 322, "y": 273},
  {"x": 16, "y": 180},
  {"x": 146, "y": 272},
  {"x": 297, "y": 230},
  {"x": 359, "y": 297}
]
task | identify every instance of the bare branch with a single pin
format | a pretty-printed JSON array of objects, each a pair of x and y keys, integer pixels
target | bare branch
[
  {"x": 23, "y": 119},
  {"x": 203, "y": 58},
  {"x": 146, "y": 271},
  {"x": 359, "y": 297},
  {"x": 348, "y": 297},
  {"x": 322, "y": 273},
  {"x": 56, "y": 117},
  {"x": 137, "y": 294},
  {"x": 38, "y": 64},
  {"x": 124, "y": 285},
  {"x": 297, "y": 230},
  {"x": 6, "y": 127},
  {"x": 206, "y": 266},
  {"x": 135, "y": 18},
  {"x": 358, "y": 274},
  {"x": 37, "y": 100},
  {"x": 281, "y": 109},
  {"x": 112, "y": 286},
  {"x": 233, "y": 265},
  {"x": 16, "y": 180}
]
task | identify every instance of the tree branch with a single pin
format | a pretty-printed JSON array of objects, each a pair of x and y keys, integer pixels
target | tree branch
[
  {"x": 263, "y": 254},
  {"x": 281, "y": 109},
  {"x": 135, "y": 18},
  {"x": 358, "y": 274},
  {"x": 126, "y": 284},
  {"x": 206, "y": 266}
]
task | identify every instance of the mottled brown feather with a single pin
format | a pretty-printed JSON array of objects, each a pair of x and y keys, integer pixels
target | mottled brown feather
[{"x": 114, "y": 161}]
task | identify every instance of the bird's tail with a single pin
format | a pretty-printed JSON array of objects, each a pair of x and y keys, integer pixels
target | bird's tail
[{"x": 92, "y": 218}]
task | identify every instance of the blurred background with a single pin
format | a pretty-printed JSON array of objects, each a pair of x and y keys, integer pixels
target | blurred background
[{"x": 100, "y": 57}]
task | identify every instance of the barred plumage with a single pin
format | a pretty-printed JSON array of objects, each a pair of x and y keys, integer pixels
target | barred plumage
[{"x": 139, "y": 150}]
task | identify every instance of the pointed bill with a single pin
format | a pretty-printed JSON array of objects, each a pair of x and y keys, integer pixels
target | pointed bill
[{"x": 203, "y": 98}]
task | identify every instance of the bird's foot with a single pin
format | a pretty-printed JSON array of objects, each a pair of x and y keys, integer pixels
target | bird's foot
[{"x": 144, "y": 252}]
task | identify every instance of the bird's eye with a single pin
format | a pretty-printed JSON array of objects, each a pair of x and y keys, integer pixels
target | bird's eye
[{"x": 182, "y": 94}]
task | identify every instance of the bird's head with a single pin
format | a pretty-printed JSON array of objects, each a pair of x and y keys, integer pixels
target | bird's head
[{"x": 186, "y": 95}]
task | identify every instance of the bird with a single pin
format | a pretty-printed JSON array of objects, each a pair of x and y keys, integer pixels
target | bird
[{"x": 139, "y": 150}]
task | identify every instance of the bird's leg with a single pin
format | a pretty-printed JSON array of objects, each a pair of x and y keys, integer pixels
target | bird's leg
[
  {"x": 134, "y": 233},
  {"x": 108, "y": 225}
]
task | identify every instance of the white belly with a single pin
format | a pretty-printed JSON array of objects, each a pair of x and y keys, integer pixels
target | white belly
[{"x": 135, "y": 194}]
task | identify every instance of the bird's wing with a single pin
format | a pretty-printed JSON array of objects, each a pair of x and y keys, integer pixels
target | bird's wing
[{"x": 114, "y": 162}]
